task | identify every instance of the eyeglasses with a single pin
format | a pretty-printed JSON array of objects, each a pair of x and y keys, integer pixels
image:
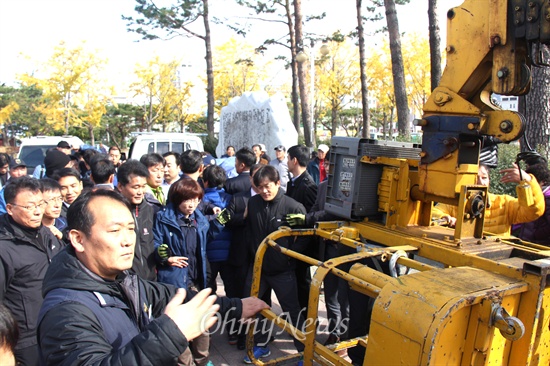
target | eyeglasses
[
  {"x": 191, "y": 201},
  {"x": 31, "y": 207},
  {"x": 51, "y": 201}
]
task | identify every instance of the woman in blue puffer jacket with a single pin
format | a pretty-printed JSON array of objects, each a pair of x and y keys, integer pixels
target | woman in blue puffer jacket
[{"x": 181, "y": 233}]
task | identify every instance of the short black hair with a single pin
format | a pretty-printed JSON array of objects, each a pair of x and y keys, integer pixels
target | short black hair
[
  {"x": 246, "y": 156},
  {"x": 541, "y": 172},
  {"x": 176, "y": 155},
  {"x": 190, "y": 161},
  {"x": 88, "y": 154},
  {"x": 301, "y": 153},
  {"x": 102, "y": 168},
  {"x": 268, "y": 172},
  {"x": 17, "y": 185},
  {"x": 79, "y": 215},
  {"x": 151, "y": 159},
  {"x": 49, "y": 185},
  {"x": 215, "y": 176},
  {"x": 129, "y": 168},
  {"x": 184, "y": 189},
  {"x": 230, "y": 146},
  {"x": 114, "y": 148},
  {"x": 4, "y": 159},
  {"x": 9, "y": 331},
  {"x": 66, "y": 172}
]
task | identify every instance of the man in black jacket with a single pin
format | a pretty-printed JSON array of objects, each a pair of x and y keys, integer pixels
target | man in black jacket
[
  {"x": 117, "y": 317},
  {"x": 244, "y": 159},
  {"x": 26, "y": 249},
  {"x": 239, "y": 256},
  {"x": 304, "y": 190},
  {"x": 301, "y": 187},
  {"x": 266, "y": 213},
  {"x": 132, "y": 182}
]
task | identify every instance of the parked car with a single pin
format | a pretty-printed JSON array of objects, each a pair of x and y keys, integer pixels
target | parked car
[
  {"x": 33, "y": 149},
  {"x": 161, "y": 142}
]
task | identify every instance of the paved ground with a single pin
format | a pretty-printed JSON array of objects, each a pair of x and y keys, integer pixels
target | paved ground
[{"x": 223, "y": 354}]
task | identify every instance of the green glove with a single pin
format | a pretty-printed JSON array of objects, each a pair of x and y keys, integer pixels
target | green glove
[
  {"x": 164, "y": 252},
  {"x": 296, "y": 219},
  {"x": 224, "y": 217}
]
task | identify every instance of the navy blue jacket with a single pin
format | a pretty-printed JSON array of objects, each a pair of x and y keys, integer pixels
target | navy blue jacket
[
  {"x": 167, "y": 231},
  {"x": 217, "y": 249},
  {"x": 87, "y": 320}
]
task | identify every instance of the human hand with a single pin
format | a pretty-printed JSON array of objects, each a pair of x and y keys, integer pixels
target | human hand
[
  {"x": 296, "y": 219},
  {"x": 511, "y": 175},
  {"x": 55, "y": 231},
  {"x": 194, "y": 317},
  {"x": 451, "y": 221},
  {"x": 164, "y": 251},
  {"x": 252, "y": 306},
  {"x": 224, "y": 217},
  {"x": 216, "y": 210},
  {"x": 179, "y": 262}
]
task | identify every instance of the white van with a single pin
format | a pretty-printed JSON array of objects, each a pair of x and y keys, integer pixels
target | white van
[
  {"x": 33, "y": 149},
  {"x": 161, "y": 142}
]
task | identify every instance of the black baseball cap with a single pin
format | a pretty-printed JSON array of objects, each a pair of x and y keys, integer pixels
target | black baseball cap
[
  {"x": 280, "y": 148},
  {"x": 16, "y": 163},
  {"x": 63, "y": 145}
]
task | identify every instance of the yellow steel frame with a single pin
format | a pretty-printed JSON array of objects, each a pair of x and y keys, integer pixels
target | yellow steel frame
[{"x": 464, "y": 312}]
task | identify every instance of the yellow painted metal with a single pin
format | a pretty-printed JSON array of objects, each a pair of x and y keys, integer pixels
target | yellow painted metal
[
  {"x": 471, "y": 31},
  {"x": 430, "y": 313},
  {"x": 470, "y": 225},
  {"x": 442, "y": 314},
  {"x": 436, "y": 316},
  {"x": 449, "y": 175},
  {"x": 493, "y": 125}
]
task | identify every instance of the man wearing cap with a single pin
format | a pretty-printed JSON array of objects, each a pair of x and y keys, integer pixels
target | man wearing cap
[
  {"x": 55, "y": 160},
  {"x": 64, "y": 147},
  {"x": 17, "y": 168},
  {"x": 257, "y": 149},
  {"x": 281, "y": 163},
  {"x": 316, "y": 167},
  {"x": 40, "y": 170}
]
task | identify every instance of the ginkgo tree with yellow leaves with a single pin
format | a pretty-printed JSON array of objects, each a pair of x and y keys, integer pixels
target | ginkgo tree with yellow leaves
[
  {"x": 416, "y": 59},
  {"x": 337, "y": 85},
  {"x": 73, "y": 94},
  {"x": 237, "y": 69},
  {"x": 162, "y": 98}
]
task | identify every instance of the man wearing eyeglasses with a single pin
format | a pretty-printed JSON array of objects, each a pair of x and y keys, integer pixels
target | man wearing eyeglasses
[
  {"x": 26, "y": 249},
  {"x": 51, "y": 190}
]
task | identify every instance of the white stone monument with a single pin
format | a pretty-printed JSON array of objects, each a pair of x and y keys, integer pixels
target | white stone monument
[{"x": 256, "y": 118}]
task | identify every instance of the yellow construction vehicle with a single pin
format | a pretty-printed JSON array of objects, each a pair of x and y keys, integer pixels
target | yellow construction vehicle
[{"x": 470, "y": 298}]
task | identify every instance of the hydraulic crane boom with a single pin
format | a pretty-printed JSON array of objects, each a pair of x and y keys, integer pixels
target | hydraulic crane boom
[{"x": 468, "y": 298}]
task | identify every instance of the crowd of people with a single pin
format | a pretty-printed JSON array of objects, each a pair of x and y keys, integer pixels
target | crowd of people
[
  {"x": 106, "y": 261},
  {"x": 95, "y": 249}
]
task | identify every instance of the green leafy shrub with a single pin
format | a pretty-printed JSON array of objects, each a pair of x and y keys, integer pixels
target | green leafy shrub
[{"x": 506, "y": 157}]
